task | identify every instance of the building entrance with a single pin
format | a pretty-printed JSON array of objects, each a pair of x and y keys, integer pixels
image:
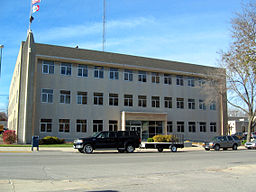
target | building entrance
[
  {"x": 146, "y": 129},
  {"x": 136, "y": 128}
]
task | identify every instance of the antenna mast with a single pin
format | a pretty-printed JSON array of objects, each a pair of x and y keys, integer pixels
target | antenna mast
[{"x": 104, "y": 22}]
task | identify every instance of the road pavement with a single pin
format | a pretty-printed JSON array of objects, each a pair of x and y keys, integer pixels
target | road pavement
[{"x": 67, "y": 170}]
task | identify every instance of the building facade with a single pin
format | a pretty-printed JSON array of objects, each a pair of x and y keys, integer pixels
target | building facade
[
  {"x": 238, "y": 124},
  {"x": 71, "y": 92}
]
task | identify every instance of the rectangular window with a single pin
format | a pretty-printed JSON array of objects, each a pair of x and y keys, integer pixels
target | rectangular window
[
  {"x": 81, "y": 98},
  {"x": 202, "y": 126},
  {"x": 142, "y": 76},
  {"x": 98, "y": 98},
  {"x": 46, "y": 125},
  {"x": 213, "y": 127},
  {"x": 167, "y": 79},
  {"x": 47, "y": 67},
  {"x": 81, "y": 125},
  {"x": 155, "y": 77},
  {"x": 99, "y": 72},
  {"x": 167, "y": 102},
  {"x": 191, "y": 81},
  {"x": 47, "y": 96},
  {"x": 180, "y": 103},
  {"x": 97, "y": 125},
  {"x": 201, "y": 82},
  {"x": 179, "y": 80},
  {"x": 64, "y": 125},
  {"x": 128, "y": 100},
  {"x": 192, "y": 127},
  {"x": 128, "y": 75},
  {"x": 113, "y": 99},
  {"x": 142, "y": 101},
  {"x": 112, "y": 125},
  {"x": 65, "y": 97},
  {"x": 113, "y": 74},
  {"x": 82, "y": 71},
  {"x": 180, "y": 126},
  {"x": 65, "y": 69},
  {"x": 169, "y": 126},
  {"x": 191, "y": 103},
  {"x": 155, "y": 101},
  {"x": 202, "y": 104},
  {"x": 213, "y": 105}
]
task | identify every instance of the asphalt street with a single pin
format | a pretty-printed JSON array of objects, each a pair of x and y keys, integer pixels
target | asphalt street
[{"x": 60, "y": 171}]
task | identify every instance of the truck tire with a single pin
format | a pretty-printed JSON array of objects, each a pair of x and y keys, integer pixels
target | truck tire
[
  {"x": 234, "y": 147},
  {"x": 216, "y": 147},
  {"x": 130, "y": 148},
  {"x": 160, "y": 149},
  {"x": 173, "y": 148},
  {"x": 88, "y": 149}
]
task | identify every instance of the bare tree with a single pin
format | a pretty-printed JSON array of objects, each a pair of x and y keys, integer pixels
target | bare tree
[{"x": 240, "y": 64}]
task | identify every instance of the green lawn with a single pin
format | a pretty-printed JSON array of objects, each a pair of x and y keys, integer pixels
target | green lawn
[{"x": 53, "y": 145}]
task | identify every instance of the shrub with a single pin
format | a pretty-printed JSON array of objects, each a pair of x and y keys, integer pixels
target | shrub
[
  {"x": 171, "y": 138},
  {"x": 9, "y": 137},
  {"x": 51, "y": 140},
  {"x": 150, "y": 140},
  {"x": 243, "y": 142},
  {"x": 159, "y": 138},
  {"x": 165, "y": 138}
]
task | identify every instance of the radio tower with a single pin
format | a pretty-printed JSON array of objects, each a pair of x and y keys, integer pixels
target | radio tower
[{"x": 104, "y": 22}]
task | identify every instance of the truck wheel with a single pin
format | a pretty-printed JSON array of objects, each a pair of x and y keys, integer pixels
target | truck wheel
[
  {"x": 207, "y": 149},
  {"x": 173, "y": 148},
  {"x": 234, "y": 147},
  {"x": 88, "y": 149},
  {"x": 160, "y": 149},
  {"x": 130, "y": 148},
  {"x": 216, "y": 147}
]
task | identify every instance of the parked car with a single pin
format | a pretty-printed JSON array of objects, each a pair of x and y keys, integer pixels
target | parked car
[
  {"x": 123, "y": 141},
  {"x": 250, "y": 145},
  {"x": 223, "y": 142}
]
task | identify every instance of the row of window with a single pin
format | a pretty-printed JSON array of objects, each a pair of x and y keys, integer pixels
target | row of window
[
  {"x": 128, "y": 75},
  {"x": 191, "y": 127},
  {"x": 82, "y": 98},
  {"x": 81, "y": 126}
]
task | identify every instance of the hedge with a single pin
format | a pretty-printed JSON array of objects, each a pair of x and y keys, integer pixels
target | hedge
[
  {"x": 165, "y": 138},
  {"x": 51, "y": 140}
]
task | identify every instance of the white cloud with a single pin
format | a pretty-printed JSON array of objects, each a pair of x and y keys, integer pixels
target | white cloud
[{"x": 61, "y": 33}]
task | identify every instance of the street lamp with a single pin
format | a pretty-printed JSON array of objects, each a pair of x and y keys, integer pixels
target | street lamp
[{"x": 1, "y": 47}]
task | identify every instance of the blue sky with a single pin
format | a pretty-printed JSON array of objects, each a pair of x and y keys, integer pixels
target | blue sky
[{"x": 181, "y": 30}]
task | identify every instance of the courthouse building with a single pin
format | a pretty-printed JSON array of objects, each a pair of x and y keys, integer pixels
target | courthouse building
[{"x": 71, "y": 92}]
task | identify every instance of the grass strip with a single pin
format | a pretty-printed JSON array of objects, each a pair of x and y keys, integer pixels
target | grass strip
[{"x": 50, "y": 145}]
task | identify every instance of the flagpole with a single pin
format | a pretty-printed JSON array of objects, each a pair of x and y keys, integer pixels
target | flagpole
[{"x": 30, "y": 15}]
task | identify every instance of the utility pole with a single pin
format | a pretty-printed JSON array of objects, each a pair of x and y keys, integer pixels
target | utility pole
[
  {"x": 104, "y": 22},
  {"x": 1, "y": 52}
]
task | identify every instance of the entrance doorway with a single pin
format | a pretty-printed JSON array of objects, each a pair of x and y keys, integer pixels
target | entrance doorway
[{"x": 136, "y": 128}]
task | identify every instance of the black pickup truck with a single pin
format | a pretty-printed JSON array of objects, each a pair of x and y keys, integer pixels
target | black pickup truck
[{"x": 123, "y": 141}]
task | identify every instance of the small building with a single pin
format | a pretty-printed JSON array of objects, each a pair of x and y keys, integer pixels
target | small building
[
  {"x": 237, "y": 124},
  {"x": 71, "y": 92}
]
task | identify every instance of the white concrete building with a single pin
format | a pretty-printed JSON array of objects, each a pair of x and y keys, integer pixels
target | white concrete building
[{"x": 70, "y": 92}]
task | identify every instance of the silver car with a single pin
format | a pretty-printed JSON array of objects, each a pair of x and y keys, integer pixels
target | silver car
[
  {"x": 250, "y": 145},
  {"x": 223, "y": 142}
]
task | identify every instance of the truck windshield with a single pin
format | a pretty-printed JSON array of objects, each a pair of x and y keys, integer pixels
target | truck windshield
[{"x": 95, "y": 134}]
